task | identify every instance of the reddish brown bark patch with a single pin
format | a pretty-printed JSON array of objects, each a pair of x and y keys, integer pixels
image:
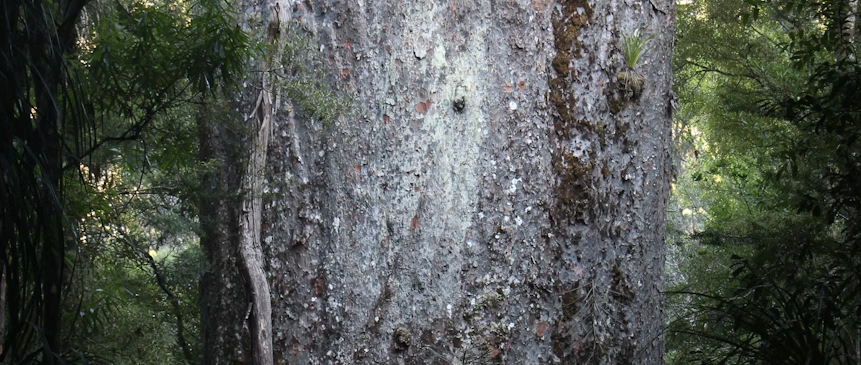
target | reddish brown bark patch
[
  {"x": 541, "y": 328},
  {"x": 414, "y": 223},
  {"x": 422, "y": 107}
]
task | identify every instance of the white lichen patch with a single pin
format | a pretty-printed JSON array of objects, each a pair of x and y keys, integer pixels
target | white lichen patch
[
  {"x": 439, "y": 59},
  {"x": 513, "y": 187}
]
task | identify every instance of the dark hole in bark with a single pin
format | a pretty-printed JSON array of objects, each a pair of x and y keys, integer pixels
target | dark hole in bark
[{"x": 459, "y": 104}]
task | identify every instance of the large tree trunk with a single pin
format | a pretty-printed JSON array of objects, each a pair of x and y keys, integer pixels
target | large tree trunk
[{"x": 495, "y": 193}]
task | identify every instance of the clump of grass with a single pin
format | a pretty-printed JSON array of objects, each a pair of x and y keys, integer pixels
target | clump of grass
[{"x": 633, "y": 47}]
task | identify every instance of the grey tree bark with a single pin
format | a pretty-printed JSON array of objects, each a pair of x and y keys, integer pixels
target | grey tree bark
[{"x": 494, "y": 195}]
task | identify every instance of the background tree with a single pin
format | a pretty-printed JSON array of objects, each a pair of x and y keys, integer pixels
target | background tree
[{"x": 88, "y": 88}]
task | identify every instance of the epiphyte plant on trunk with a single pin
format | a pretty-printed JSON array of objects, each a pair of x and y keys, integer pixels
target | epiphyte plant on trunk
[{"x": 633, "y": 47}]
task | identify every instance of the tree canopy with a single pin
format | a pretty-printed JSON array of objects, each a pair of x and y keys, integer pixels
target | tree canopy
[{"x": 769, "y": 128}]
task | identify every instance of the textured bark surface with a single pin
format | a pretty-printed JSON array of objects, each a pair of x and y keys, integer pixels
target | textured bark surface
[{"x": 494, "y": 195}]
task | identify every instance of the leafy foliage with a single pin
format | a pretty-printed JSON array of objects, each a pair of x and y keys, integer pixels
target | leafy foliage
[
  {"x": 772, "y": 141},
  {"x": 304, "y": 82},
  {"x": 96, "y": 168}
]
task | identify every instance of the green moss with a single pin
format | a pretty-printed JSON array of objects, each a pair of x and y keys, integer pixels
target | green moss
[
  {"x": 387, "y": 293},
  {"x": 621, "y": 128},
  {"x": 566, "y": 29},
  {"x": 574, "y": 199},
  {"x": 615, "y": 105},
  {"x": 561, "y": 63},
  {"x": 572, "y": 11},
  {"x": 402, "y": 338}
]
